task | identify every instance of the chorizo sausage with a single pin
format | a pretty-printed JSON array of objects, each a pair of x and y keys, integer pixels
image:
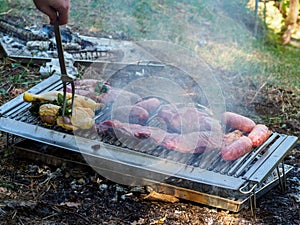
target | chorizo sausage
[
  {"x": 231, "y": 137},
  {"x": 237, "y": 149},
  {"x": 239, "y": 122},
  {"x": 259, "y": 134}
]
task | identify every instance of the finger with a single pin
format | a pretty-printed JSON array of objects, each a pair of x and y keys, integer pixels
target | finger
[
  {"x": 63, "y": 16},
  {"x": 49, "y": 12}
]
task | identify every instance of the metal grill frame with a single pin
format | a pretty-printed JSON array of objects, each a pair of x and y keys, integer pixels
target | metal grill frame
[{"x": 143, "y": 169}]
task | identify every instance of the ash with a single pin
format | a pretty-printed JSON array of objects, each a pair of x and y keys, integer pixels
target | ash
[{"x": 39, "y": 43}]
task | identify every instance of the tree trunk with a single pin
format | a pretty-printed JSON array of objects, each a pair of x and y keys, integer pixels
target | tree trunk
[{"x": 290, "y": 21}]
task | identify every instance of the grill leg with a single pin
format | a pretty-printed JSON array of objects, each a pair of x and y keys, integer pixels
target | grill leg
[
  {"x": 252, "y": 201},
  {"x": 9, "y": 140},
  {"x": 283, "y": 176},
  {"x": 281, "y": 179}
]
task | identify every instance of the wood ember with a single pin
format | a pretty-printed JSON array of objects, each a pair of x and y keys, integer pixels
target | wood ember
[{"x": 154, "y": 196}]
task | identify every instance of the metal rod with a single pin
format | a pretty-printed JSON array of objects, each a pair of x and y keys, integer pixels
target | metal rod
[
  {"x": 283, "y": 176},
  {"x": 279, "y": 178}
]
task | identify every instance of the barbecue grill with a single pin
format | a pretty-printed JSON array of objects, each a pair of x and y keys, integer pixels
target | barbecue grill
[
  {"x": 204, "y": 177},
  {"x": 214, "y": 182}
]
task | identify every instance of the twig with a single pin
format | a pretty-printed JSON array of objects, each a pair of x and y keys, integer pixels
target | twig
[
  {"x": 71, "y": 213},
  {"x": 5, "y": 13},
  {"x": 257, "y": 92},
  {"x": 21, "y": 222},
  {"x": 2, "y": 212},
  {"x": 14, "y": 215},
  {"x": 82, "y": 217},
  {"x": 34, "y": 176},
  {"x": 52, "y": 215},
  {"x": 9, "y": 88}
]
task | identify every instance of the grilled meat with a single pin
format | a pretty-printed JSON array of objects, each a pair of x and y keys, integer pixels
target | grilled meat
[
  {"x": 259, "y": 134},
  {"x": 87, "y": 88},
  {"x": 65, "y": 123},
  {"x": 130, "y": 114},
  {"x": 150, "y": 104},
  {"x": 230, "y": 137},
  {"x": 194, "y": 142},
  {"x": 85, "y": 102},
  {"x": 50, "y": 96},
  {"x": 238, "y": 122},
  {"x": 187, "y": 120},
  {"x": 133, "y": 134},
  {"x": 237, "y": 149},
  {"x": 102, "y": 92},
  {"x": 119, "y": 96},
  {"x": 82, "y": 118}
]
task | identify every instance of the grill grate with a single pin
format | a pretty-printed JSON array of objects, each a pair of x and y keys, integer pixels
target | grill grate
[{"x": 210, "y": 160}]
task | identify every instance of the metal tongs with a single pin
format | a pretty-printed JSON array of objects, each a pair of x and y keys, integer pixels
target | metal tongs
[{"x": 64, "y": 76}]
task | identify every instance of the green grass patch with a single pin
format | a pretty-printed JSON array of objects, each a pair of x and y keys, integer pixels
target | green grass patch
[{"x": 226, "y": 28}]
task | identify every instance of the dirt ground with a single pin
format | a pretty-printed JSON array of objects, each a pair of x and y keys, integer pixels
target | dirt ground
[{"x": 33, "y": 192}]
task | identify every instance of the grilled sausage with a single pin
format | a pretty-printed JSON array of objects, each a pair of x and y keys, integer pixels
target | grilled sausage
[
  {"x": 239, "y": 122},
  {"x": 131, "y": 114},
  {"x": 237, "y": 149},
  {"x": 229, "y": 138},
  {"x": 259, "y": 134}
]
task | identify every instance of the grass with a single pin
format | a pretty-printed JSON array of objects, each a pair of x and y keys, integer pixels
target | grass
[
  {"x": 15, "y": 78},
  {"x": 225, "y": 26},
  {"x": 220, "y": 32}
]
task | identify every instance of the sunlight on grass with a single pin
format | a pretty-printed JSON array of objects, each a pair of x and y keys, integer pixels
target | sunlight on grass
[{"x": 225, "y": 29}]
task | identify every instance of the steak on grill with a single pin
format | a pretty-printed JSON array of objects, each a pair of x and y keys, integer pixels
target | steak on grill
[
  {"x": 187, "y": 120},
  {"x": 194, "y": 142},
  {"x": 187, "y": 143}
]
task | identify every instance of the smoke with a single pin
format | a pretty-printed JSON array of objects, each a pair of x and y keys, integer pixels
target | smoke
[
  {"x": 221, "y": 33},
  {"x": 208, "y": 41}
]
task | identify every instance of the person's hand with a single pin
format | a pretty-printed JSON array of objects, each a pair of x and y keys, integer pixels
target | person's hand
[{"x": 55, "y": 9}]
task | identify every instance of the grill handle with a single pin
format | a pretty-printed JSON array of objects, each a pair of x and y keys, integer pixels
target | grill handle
[
  {"x": 245, "y": 189},
  {"x": 271, "y": 161}
]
